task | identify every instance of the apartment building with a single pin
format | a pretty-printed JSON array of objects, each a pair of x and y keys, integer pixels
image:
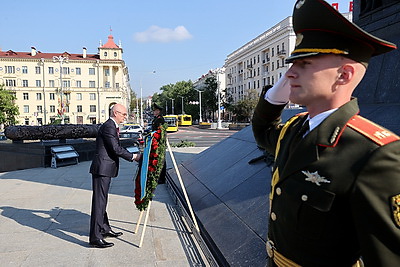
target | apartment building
[
  {"x": 261, "y": 61},
  {"x": 77, "y": 88}
]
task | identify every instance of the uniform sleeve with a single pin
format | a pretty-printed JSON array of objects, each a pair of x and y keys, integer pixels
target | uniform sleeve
[
  {"x": 112, "y": 145},
  {"x": 375, "y": 216},
  {"x": 266, "y": 124}
]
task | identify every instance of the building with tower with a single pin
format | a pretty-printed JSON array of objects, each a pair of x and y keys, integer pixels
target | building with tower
[{"x": 73, "y": 88}]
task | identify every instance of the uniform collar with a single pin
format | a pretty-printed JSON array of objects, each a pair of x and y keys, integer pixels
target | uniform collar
[{"x": 332, "y": 127}]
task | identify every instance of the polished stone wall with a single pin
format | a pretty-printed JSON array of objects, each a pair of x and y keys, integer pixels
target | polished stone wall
[{"x": 379, "y": 91}]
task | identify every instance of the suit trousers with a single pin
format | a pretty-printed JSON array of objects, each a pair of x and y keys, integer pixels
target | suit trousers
[{"x": 99, "y": 223}]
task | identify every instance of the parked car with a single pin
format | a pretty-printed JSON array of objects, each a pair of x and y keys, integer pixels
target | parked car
[
  {"x": 137, "y": 137},
  {"x": 131, "y": 128}
]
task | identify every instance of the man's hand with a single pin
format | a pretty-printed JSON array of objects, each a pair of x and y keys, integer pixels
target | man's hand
[{"x": 137, "y": 157}]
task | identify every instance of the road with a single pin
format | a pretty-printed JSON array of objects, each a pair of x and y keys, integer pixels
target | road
[{"x": 201, "y": 137}]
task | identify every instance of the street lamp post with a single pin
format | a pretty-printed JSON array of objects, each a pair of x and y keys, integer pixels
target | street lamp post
[
  {"x": 219, "y": 126},
  {"x": 183, "y": 112},
  {"x": 141, "y": 101},
  {"x": 61, "y": 59}
]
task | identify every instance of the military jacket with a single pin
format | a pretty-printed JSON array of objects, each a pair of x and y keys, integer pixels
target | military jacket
[
  {"x": 338, "y": 193},
  {"x": 157, "y": 122}
]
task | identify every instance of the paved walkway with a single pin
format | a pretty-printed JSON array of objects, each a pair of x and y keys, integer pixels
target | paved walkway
[{"x": 45, "y": 213}]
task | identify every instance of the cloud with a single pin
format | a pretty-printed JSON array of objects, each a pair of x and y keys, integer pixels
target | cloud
[{"x": 162, "y": 35}]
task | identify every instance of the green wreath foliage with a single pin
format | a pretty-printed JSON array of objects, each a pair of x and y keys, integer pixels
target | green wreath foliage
[{"x": 156, "y": 163}]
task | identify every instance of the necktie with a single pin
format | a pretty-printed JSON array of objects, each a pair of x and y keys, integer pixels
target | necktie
[{"x": 304, "y": 129}]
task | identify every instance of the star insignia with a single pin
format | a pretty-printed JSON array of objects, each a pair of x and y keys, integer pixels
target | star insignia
[{"x": 315, "y": 178}]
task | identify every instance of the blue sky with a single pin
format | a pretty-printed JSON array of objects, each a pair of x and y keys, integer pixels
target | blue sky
[{"x": 179, "y": 40}]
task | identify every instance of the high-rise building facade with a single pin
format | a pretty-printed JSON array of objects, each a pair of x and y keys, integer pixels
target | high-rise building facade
[
  {"x": 77, "y": 88},
  {"x": 259, "y": 62}
]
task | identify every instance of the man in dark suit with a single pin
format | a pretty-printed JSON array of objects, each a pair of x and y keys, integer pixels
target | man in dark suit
[
  {"x": 157, "y": 121},
  {"x": 335, "y": 190},
  {"x": 104, "y": 166}
]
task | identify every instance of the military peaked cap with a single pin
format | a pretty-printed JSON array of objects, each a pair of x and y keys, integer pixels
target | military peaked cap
[
  {"x": 155, "y": 106},
  {"x": 321, "y": 29}
]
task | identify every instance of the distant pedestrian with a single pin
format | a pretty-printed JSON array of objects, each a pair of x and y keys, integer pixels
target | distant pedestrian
[{"x": 104, "y": 166}]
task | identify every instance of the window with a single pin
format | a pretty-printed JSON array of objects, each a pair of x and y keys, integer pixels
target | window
[
  {"x": 51, "y": 83},
  {"x": 39, "y": 109},
  {"x": 92, "y": 108},
  {"x": 79, "y": 96},
  {"x": 92, "y": 84},
  {"x": 25, "y": 96},
  {"x": 24, "y": 83},
  {"x": 79, "y": 108},
  {"x": 26, "y": 109},
  {"x": 38, "y": 83},
  {"x": 66, "y": 83},
  {"x": 52, "y": 109},
  {"x": 52, "y": 96},
  {"x": 24, "y": 69},
  {"x": 277, "y": 64},
  {"x": 66, "y": 109},
  {"x": 78, "y": 71},
  {"x": 65, "y": 70},
  {"x": 115, "y": 54},
  {"x": 272, "y": 52},
  {"x": 92, "y": 71},
  {"x": 78, "y": 84},
  {"x": 38, "y": 96},
  {"x": 51, "y": 70},
  {"x": 117, "y": 85},
  {"x": 67, "y": 96},
  {"x": 10, "y": 82},
  {"x": 107, "y": 84},
  {"x": 10, "y": 69},
  {"x": 106, "y": 72},
  {"x": 105, "y": 54},
  {"x": 37, "y": 70},
  {"x": 92, "y": 96}
]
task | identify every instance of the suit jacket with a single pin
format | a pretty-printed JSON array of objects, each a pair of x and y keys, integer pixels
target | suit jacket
[
  {"x": 333, "y": 201},
  {"x": 108, "y": 151}
]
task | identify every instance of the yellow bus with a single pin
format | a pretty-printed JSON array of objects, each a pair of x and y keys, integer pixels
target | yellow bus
[
  {"x": 172, "y": 121},
  {"x": 185, "y": 120}
]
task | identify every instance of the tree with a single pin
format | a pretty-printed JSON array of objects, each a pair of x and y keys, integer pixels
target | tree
[
  {"x": 8, "y": 110},
  {"x": 210, "y": 97},
  {"x": 244, "y": 108}
]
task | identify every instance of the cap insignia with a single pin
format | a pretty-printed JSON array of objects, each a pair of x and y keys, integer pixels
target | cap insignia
[
  {"x": 396, "y": 209},
  {"x": 315, "y": 178},
  {"x": 300, "y": 3},
  {"x": 299, "y": 38}
]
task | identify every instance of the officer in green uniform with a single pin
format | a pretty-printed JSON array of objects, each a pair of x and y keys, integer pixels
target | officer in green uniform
[
  {"x": 158, "y": 118},
  {"x": 335, "y": 193}
]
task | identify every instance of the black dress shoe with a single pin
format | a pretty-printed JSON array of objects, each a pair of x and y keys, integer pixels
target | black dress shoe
[
  {"x": 112, "y": 234},
  {"x": 101, "y": 243}
]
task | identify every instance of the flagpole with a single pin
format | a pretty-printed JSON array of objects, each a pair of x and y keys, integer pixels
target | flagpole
[{"x": 183, "y": 187}]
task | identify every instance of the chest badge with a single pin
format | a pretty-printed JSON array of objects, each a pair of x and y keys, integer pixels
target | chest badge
[
  {"x": 315, "y": 178},
  {"x": 396, "y": 209}
]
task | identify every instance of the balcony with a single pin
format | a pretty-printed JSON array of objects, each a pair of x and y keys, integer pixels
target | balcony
[
  {"x": 281, "y": 53},
  {"x": 250, "y": 66}
]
